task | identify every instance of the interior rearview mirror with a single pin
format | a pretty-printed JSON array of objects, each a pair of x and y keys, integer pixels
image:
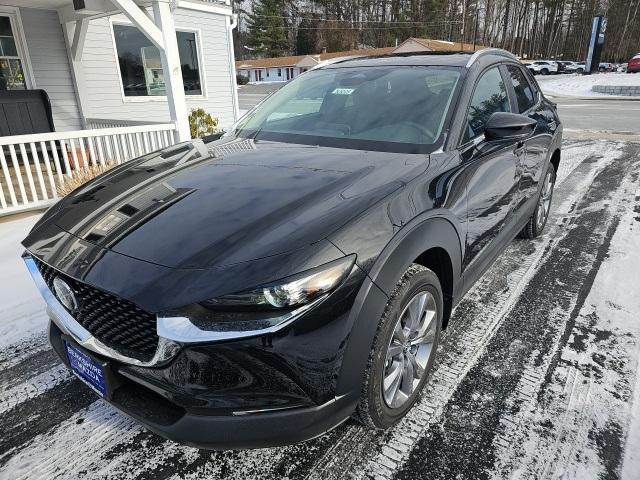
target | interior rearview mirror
[{"x": 508, "y": 126}]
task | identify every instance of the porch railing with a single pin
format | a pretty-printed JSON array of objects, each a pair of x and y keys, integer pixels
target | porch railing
[
  {"x": 111, "y": 123},
  {"x": 33, "y": 165}
]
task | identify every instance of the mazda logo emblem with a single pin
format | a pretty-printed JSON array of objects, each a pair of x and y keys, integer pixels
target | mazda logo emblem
[{"x": 65, "y": 294}]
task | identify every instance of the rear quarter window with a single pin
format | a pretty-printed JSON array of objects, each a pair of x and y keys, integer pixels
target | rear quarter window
[{"x": 525, "y": 95}]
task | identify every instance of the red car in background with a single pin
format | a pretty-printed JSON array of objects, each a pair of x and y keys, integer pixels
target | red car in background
[{"x": 634, "y": 64}]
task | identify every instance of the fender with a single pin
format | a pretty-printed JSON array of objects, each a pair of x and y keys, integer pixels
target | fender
[
  {"x": 435, "y": 229},
  {"x": 556, "y": 143}
]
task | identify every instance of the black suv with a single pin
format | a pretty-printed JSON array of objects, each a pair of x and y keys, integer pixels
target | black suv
[{"x": 261, "y": 287}]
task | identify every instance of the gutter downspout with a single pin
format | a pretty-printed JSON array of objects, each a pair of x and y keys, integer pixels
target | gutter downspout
[{"x": 232, "y": 22}]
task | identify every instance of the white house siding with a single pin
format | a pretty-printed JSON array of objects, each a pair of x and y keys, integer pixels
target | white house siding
[
  {"x": 102, "y": 78},
  {"x": 50, "y": 65},
  {"x": 273, "y": 74}
]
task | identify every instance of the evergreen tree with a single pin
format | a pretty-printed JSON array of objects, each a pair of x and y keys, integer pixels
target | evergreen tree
[
  {"x": 268, "y": 28},
  {"x": 307, "y": 37}
]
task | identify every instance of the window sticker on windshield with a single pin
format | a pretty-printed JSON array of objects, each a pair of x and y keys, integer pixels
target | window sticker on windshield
[{"x": 343, "y": 91}]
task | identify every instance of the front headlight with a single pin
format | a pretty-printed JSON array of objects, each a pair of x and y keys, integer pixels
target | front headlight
[{"x": 290, "y": 292}]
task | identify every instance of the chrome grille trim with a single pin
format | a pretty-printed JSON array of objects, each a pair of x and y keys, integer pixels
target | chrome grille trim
[{"x": 165, "y": 350}]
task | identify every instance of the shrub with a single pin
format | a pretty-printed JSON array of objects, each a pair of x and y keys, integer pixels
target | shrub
[
  {"x": 241, "y": 79},
  {"x": 202, "y": 123},
  {"x": 80, "y": 177}
]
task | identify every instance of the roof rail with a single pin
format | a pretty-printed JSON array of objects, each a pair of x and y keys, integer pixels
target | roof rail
[{"x": 490, "y": 51}]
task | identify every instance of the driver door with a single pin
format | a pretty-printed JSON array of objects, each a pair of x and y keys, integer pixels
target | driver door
[{"x": 492, "y": 171}]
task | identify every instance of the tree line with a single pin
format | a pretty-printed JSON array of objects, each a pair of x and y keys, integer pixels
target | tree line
[{"x": 550, "y": 29}]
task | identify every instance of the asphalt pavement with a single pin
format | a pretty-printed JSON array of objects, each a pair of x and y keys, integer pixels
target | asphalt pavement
[
  {"x": 597, "y": 114},
  {"x": 250, "y": 95}
]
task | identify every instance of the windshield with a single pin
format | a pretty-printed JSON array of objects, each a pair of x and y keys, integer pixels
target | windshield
[{"x": 401, "y": 109}]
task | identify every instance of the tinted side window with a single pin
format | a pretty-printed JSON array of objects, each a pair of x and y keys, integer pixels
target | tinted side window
[
  {"x": 524, "y": 94},
  {"x": 490, "y": 96}
]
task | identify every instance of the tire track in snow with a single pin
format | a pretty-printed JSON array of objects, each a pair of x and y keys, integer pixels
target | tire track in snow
[
  {"x": 462, "y": 444},
  {"x": 37, "y": 362},
  {"x": 149, "y": 457},
  {"x": 34, "y": 387},
  {"x": 70, "y": 449},
  {"x": 574, "y": 424},
  {"x": 40, "y": 414},
  {"x": 19, "y": 352}
]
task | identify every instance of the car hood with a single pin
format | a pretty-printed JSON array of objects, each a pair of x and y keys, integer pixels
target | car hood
[{"x": 198, "y": 205}]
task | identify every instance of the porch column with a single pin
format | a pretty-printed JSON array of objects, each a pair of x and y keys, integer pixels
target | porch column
[{"x": 172, "y": 69}]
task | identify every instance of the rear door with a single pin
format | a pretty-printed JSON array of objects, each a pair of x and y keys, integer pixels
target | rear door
[
  {"x": 492, "y": 172},
  {"x": 528, "y": 101}
]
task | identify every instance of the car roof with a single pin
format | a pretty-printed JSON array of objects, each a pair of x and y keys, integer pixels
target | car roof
[{"x": 459, "y": 59}]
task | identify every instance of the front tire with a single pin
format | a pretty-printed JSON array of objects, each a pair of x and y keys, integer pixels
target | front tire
[
  {"x": 544, "y": 71},
  {"x": 538, "y": 220},
  {"x": 403, "y": 349}
]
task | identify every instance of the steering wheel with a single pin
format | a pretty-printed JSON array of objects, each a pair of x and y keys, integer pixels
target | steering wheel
[{"x": 420, "y": 128}]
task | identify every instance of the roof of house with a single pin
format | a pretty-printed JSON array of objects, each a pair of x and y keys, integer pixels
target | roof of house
[
  {"x": 318, "y": 57},
  {"x": 427, "y": 43},
  {"x": 443, "y": 45}
]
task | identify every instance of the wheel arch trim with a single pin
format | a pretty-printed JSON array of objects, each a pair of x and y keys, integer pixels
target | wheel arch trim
[{"x": 432, "y": 230}]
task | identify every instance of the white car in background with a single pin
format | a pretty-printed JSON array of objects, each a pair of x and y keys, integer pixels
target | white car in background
[
  {"x": 543, "y": 67},
  {"x": 573, "y": 67}
]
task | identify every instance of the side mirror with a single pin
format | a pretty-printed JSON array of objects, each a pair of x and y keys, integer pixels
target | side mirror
[{"x": 508, "y": 126}]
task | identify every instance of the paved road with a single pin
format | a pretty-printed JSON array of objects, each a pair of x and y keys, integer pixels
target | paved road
[
  {"x": 250, "y": 95},
  {"x": 599, "y": 115},
  {"x": 536, "y": 377}
]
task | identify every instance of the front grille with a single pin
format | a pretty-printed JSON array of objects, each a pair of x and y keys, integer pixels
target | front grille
[{"x": 116, "y": 322}]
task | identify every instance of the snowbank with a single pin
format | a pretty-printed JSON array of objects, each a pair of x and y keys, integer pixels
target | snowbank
[
  {"x": 580, "y": 85},
  {"x": 22, "y": 310}
]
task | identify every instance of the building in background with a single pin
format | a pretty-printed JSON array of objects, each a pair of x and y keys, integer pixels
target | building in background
[
  {"x": 90, "y": 82},
  {"x": 283, "y": 69}
]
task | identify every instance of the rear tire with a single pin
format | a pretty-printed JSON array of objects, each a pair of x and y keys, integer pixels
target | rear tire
[
  {"x": 403, "y": 349},
  {"x": 538, "y": 220},
  {"x": 544, "y": 71}
]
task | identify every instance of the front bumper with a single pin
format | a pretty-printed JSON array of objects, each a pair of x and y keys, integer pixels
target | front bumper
[
  {"x": 218, "y": 408},
  {"x": 271, "y": 389}
]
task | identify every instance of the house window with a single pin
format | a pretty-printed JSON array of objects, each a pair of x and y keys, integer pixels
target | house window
[
  {"x": 11, "y": 66},
  {"x": 141, "y": 68},
  {"x": 279, "y": 72}
]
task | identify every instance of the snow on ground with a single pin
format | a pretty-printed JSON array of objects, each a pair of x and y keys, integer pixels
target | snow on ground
[
  {"x": 574, "y": 85},
  {"x": 21, "y": 306},
  {"x": 575, "y": 425}
]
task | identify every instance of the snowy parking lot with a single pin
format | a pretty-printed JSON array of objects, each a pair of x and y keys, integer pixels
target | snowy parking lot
[
  {"x": 537, "y": 375},
  {"x": 575, "y": 85}
]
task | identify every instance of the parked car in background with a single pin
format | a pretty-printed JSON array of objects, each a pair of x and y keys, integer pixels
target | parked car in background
[
  {"x": 543, "y": 67},
  {"x": 572, "y": 67},
  {"x": 605, "y": 67},
  {"x": 260, "y": 288},
  {"x": 633, "y": 65}
]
